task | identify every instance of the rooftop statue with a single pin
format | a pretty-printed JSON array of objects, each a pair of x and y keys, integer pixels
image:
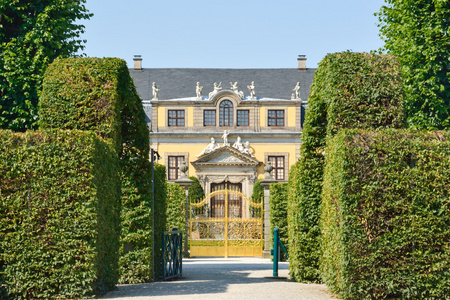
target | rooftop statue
[
  {"x": 198, "y": 90},
  {"x": 234, "y": 88},
  {"x": 243, "y": 147},
  {"x": 155, "y": 91},
  {"x": 297, "y": 91},
  {"x": 225, "y": 138},
  {"x": 247, "y": 149},
  {"x": 251, "y": 88},
  {"x": 238, "y": 144},
  {"x": 217, "y": 88},
  {"x": 210, "y": 148}
]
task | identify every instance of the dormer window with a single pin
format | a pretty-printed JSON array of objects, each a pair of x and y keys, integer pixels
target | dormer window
[{"x": 226, "y": 113}]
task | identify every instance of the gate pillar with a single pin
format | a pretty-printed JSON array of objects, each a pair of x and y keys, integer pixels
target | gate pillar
[
  {"x": 266, "y": 184},
  {"x": 185, "y": 182}
]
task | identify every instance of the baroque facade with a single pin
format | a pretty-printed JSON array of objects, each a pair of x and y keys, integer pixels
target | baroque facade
[{"x": 227, "y": 124}]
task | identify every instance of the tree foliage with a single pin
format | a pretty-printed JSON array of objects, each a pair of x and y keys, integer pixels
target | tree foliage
[
  {"x": 196, "y": 192},
  {"x": 258, "y": 192},
  {"x": 418, "y": 33},
  {"x": 32, "y": 34}
]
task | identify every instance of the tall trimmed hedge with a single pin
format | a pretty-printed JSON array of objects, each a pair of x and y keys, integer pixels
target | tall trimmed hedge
[
  {"x": 136, "y": 221},
  {"x": 96, "y": 94},
  {"x": 278, "y": 211},
  {"x": 176, "y": 207},
  {"x": 258, "y": 192},
  {"x": 385, "y": 215},
  {"x": 195, "y": 190},
  {"x": 160, "y": 215},
  {"x": 59, "y": 215},
  {"x": 99, "y": 95},
  {"x": 350, "y": 90}
]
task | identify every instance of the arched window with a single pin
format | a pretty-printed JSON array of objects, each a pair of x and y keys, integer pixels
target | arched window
[{"x": 226, "y": 113}]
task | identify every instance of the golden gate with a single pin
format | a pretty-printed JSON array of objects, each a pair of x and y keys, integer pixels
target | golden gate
[{"x": 226, "y": 223}]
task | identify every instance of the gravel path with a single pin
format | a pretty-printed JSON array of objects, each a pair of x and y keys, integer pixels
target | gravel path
[{"x": 225, "y": 278}]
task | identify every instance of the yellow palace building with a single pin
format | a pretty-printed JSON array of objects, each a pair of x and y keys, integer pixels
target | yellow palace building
[{"x": 227, "y": 124}]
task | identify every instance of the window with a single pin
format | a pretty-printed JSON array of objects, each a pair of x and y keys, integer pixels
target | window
[
  {"x": 278, "y": 167},
  {"x": 174, "y": 162},
  {"x": 242, "y": 118},
  {"x": 176, "y": 117},
  {"x": 209, "y": 118},
  {"x": 276, "y": 118},
  {"x": 226, "y": 113}
]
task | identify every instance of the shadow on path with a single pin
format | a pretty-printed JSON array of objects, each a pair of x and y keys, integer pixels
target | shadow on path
[{"x": 243, "y": 278}]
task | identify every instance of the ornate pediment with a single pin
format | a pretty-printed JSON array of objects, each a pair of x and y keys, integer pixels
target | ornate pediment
[{"x": 227, "y": 156}]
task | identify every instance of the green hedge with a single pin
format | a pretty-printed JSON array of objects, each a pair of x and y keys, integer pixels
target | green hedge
[
  {"x": 278, "y": 212},
  {"x": 136, "y": 220},
  {"x": 385, "y": 215},
  {"x": 160, "y": 214},
  {"x": 350, "y": 90},
  {"x": 176, "y": 207},
  {"x": 258, "y": 192},
  {"x": 96, "y": 94},
  {"x": 59, "y": 215},
  {"x": 195, "y": 190},
  {"x": 99, "y": 95}
]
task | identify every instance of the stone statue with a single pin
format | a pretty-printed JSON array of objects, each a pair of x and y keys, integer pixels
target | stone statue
[
  {"x": 252, "y": 90},
  {"x": 217, "y": 88},
  {"x": 210, "y": 148},
  {"x": 234, "y": 88},
  {"x": 198, "y": 90},
  {"x": 238, "y": 144},
  {"x": 297, "y": 90},
  {"x": 155, "y": 91},
  {"x": 225, "y": 138},
  {"x": 247, "y": 149}
]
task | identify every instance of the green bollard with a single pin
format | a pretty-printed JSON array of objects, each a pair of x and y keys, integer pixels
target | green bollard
[{"x": 276, "y": 238}]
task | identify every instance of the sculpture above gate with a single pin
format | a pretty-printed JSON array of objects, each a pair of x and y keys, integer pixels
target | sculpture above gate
[{"x": 239, "y": 145}]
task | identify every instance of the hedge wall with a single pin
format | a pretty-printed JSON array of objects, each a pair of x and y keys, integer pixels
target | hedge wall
[
  {"x": 59, "y": 215},
  {"x": 99, "y": 95},
  {"x": 95, "y": 94},
  {"x": 350, "y": 90},
  {"x": 278, "y": 212},
  {"x": 258, "y": 192},
  {"x": 176, "y": 207},
  {"x": 386, "y": 216},
  {"x": 195, "y": 190},
  {"x": 160, "y": 214},
  {"x": 136, "y": 220}
]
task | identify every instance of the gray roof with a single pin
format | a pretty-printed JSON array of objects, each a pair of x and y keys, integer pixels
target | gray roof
[{"x": 180, "y": 83}]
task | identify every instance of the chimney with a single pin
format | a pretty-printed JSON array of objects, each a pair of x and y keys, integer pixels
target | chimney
[
  {"x": 301, "y": 62},
  {"x": 137, "y": 62}
]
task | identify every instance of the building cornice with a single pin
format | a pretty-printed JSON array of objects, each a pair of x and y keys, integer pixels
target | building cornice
[{"x": 191, "y": 134}]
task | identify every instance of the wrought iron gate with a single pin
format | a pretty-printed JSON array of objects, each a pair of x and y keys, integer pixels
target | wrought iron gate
[{"x": 226, "y": 224}]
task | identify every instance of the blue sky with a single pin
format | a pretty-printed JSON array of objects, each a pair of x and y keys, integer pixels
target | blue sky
[{"x": 230, "y": 34}]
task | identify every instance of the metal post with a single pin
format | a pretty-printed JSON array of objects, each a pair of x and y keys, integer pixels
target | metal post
[
  {"x": 275, "y": 251},
  {"x": 186, "y": 216},
  {"x": 154, "y": 155},
  {"x": 226, "y": 224}
]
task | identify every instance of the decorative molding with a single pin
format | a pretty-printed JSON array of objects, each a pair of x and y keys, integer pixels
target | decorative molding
[
  {"x": 226, "y": 178},
  {"x": 226, "y": 158}
]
